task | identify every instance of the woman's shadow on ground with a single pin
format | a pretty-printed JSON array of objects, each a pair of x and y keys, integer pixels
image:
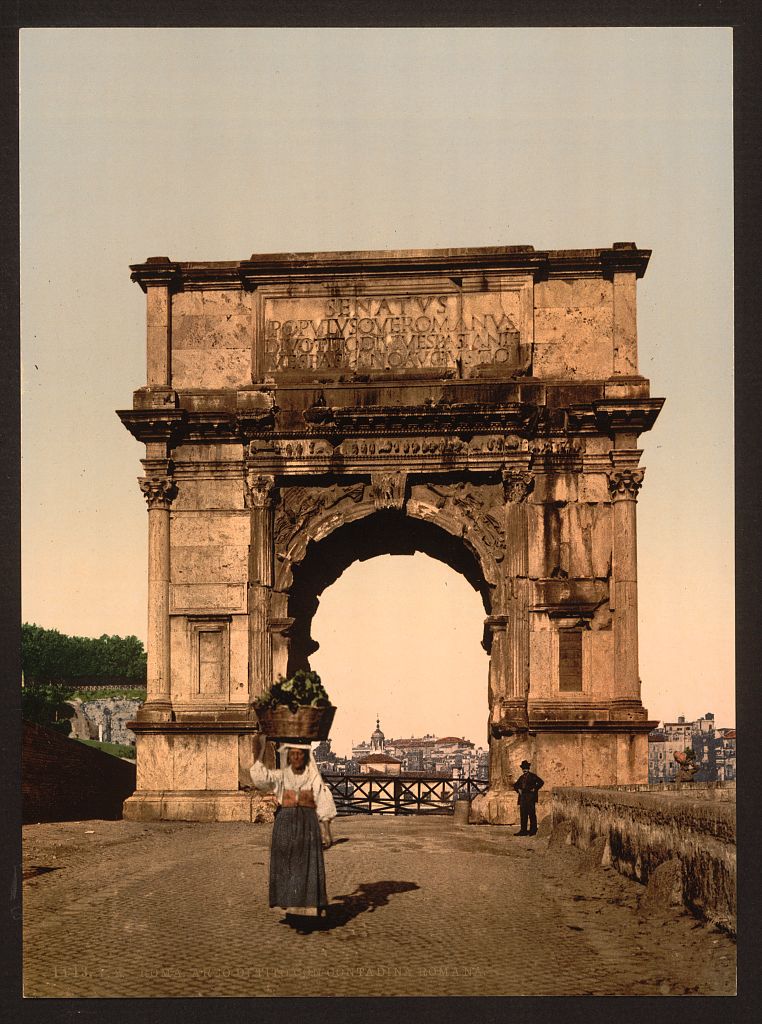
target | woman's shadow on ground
[{"x": 367, "y": 897}]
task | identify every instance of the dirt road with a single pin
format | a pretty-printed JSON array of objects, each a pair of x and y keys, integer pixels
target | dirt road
[{"x": 418, "y": 907}]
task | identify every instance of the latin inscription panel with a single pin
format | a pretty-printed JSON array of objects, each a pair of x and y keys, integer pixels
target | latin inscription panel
[{"x": 463, "y": 331}]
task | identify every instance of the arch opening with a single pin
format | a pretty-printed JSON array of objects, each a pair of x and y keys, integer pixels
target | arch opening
[
  {"x": 383, "y": 533},
  {"x": 399, "y": 639}
]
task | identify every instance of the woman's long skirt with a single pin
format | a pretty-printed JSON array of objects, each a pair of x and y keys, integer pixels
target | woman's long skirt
[{"x": 297, "y": 872}]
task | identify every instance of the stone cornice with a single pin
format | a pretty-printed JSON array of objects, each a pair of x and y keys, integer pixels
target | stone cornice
[
  {"x": 274, "y": 268},
  {"x": 157, "y": 271},
  {"x": 595, "y": 725},
  {"x": 237, "y": 723},
  {"x": 626, "y": 415},
  {"x": 160, "y": 425},
  {"x": 447, "y": 417},
  {"x": 262, "y": 269},
  {"x": 557, "y": 432}
]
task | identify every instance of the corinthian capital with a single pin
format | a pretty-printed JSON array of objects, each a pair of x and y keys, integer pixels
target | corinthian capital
[
  {"x": 625, "y": 483},
  {"x": 258, "y": 490},
  {"x": 517, "y": 484},
  {"x": 159, "y": 491}
]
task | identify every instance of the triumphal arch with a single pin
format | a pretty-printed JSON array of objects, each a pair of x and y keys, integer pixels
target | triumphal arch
[{"x": 305, "y": 410}]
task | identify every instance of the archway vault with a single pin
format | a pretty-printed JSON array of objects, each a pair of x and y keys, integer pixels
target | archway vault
[{"x": 377, "y": 532}]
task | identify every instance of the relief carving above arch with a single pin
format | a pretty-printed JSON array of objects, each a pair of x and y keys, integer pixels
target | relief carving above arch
[
  {"x": 309, "y": 513},
  {"x": 465, "y": 510},
  {"x": 473, "y": 512}
]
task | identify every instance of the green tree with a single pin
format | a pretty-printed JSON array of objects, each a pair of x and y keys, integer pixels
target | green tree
[
  {"x": 45, "y": 704},
  {"x": 48, "y": 656}
]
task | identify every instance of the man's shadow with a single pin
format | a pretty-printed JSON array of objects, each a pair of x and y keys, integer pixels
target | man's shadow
[{"x": 366, "y": 897}]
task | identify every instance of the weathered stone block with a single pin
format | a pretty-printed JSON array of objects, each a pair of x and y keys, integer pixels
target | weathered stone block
[
  {"x": 227, "y": 302},
  {"x": 601, "y": 667},
  {"x": 207, "y": 597},
  {"x": 558, "y": 758},
  {"x": 189, "y": 761},
  {"x": 632, "y": 758},
  {"x": 540, "y": 663},
  {"x": 561, "y": 358},
  {"x": 553, "y": 486},
  {"x": 553, "y": 293},
  {"x": 187, "y": 304},
  {"x": 221, "y": 562},
  {"x": 155, "y": 765},
  {"x": 593, "y": 487},
  {"x": 143, "y": 807},
  {"x": 212, "y": 332},
  {"x": 211, "y": 527},
  {"x": 239, "y": 658},
  {"x": 217, "y": 368},
  {"x": 590, "y": 540},
  {"x": 597, "y": 292},
  {"x": 222, "y": 762},
  {"x": 209, "y": 494}
]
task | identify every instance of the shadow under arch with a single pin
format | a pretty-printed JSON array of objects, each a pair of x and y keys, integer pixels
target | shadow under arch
[{"x": 382, "y": 533}]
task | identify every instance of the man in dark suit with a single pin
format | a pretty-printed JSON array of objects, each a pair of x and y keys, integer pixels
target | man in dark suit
[{"x": 527, "y": 786}]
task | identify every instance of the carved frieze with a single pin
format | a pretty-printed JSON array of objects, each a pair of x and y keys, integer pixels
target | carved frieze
[
  {"x": 624, "y": 484},
  {"x": 478, "y": 508},
  {"x": 290, "y": 448},
  {"x": 557, "y": 454},
  {"x": 556, "y": 446},
  {"x": 299, "y": 506},
  {"x": 388, "y": 490}
]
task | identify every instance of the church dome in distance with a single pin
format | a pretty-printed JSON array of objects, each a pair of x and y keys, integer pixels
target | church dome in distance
[{"x": 377, "y": 738}]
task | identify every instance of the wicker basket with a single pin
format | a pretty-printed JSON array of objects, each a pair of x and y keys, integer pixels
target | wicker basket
[{"x": 306, "y": 723}]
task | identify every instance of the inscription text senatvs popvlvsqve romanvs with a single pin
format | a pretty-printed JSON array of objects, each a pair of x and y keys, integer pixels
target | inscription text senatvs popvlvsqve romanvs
[{"x": 391, "y": 332}]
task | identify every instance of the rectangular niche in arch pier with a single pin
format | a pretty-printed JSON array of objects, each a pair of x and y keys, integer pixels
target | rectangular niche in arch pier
[{"x": 209, "y": 638}]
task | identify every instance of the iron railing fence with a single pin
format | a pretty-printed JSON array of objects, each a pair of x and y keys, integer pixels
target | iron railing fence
[{"x": 400, "y": 794}]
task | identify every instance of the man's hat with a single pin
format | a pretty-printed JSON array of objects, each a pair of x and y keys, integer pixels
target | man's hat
[{"x": 525, "y": 764}]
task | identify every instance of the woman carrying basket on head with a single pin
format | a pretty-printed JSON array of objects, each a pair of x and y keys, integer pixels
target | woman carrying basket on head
[{"x": 302, "y": 827}]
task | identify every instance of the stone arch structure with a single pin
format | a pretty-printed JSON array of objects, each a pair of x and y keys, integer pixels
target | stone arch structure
[{"x": 302, "y": 411}]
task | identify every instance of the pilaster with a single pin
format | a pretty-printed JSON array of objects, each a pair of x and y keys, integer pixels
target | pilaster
[
  {"x": 624, "y": 484},
  {"x": 258, "y": 497},
  {"x": 159, "y": 490}
]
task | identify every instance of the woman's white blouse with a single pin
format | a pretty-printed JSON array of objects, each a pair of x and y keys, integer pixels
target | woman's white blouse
[{"x": 275, "y": 780}]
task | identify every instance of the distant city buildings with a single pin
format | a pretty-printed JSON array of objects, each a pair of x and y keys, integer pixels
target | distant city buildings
[
  {"x": 714, "y": 750},
  {"x": 452, "y": 757}
]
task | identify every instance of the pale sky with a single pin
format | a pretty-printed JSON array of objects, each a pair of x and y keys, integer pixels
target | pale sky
[{"x": 212, "y": 144}]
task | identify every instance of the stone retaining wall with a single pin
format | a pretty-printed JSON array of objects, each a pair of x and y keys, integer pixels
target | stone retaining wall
[
  {"x": 638, "y": 828},
  {"x": 64, "y": 780}
]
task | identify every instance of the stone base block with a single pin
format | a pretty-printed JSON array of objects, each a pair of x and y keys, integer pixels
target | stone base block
[
  {"x": 201, "y": 805},
  {"x": 495, "y": 807}
]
